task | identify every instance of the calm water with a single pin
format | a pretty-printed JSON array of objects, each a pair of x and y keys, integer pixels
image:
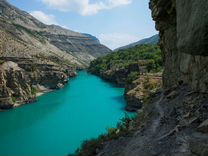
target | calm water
[{"x": 59, "y": 122}]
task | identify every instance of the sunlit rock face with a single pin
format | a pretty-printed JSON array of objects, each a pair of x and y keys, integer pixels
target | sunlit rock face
[
  {"x": 183, "y": 27},
  {"x": 19, "y": 83}
]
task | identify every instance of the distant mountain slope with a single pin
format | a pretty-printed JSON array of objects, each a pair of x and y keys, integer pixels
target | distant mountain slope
[
  {"x": 23, "y": 35},
  {"x": 92, "y": 37},
  {"x": 151, "y": 40}
]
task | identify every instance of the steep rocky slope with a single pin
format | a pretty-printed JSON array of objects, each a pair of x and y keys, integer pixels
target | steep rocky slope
[
  {"x": 149, "y": 41},
  {"x": 35, "y": 57},
  {"x": 183, "y": 33},
  {"x": 175, "y": 121},
  {"x": 22, "y": 79}
]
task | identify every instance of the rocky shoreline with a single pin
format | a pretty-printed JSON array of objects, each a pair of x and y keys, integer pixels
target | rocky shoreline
[
  {"x": 138, "y": 89},
  {"x": 174, "y": 123},
  {"x": 138, "y": 92},
  {"x": 137, "y": 69},
  {"x": 23, "y": 79}
]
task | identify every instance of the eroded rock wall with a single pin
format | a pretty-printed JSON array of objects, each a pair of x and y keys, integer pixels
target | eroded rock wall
[
  {"x": 21, "y": 83},
  {"x": 183, "y": 27}
]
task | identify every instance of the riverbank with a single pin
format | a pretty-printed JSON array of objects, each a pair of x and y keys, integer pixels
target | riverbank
[
  {"x": 23, "y": 79},
  {"x": 138, "y": 69}
]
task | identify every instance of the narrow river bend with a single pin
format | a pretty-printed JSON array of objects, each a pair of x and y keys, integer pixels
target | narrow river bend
[{"x": 61, "y": 120}]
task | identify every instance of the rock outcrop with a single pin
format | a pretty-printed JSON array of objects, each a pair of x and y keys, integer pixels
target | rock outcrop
[
  {"x": 20, "y": 81},
  {"x": 184, "y": 41},
  {"x": 140, "y": 90}
]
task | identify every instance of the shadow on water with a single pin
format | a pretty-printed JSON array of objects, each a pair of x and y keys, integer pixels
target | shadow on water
[
  {"x": 26, "y": 117},
  {"x": 119, "y": 99},
  {"x": 107, "y": 82}
]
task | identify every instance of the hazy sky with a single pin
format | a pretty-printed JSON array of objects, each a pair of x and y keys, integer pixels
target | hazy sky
[{"x": 114, "y": 22}]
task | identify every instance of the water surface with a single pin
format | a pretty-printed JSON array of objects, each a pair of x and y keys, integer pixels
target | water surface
[{"x": 61, "y": 120}]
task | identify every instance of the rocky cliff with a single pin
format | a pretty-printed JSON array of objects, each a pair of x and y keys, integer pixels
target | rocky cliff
[
  {"x": 175, "y": 121},
  {"x": 184, "y": 41},
  {"x": 21, "y": 79}
]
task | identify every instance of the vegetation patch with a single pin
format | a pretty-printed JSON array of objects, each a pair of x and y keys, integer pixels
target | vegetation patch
[
  {"x": 33, "y": 91},
  {"x": 145, "y": 55},
  {"x": 89, "y": 147},
  {"x": 33, "y": 33},
  {"x": 1, "y": 62}
]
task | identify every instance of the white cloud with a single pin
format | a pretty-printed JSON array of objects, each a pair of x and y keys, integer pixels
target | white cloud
[
  {"x": 41, "y": 16},
  {"x": 84, "y": 7},
  {"x": 46, "y": 19},
  {"x": 115, "y": 40}
]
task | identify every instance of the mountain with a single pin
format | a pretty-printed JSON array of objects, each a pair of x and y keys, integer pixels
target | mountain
[
  {"x": 35, "y": 57},
  {"x": 151, "y": 40},
  {"x": 23, "y": 35}
]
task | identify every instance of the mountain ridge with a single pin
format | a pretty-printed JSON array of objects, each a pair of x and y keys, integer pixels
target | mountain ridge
[
  {"x": 23, "y": 26},
  {"x": 150, "y": 40}
]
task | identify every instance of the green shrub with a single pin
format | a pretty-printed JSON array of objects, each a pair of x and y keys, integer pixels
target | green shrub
[
  {"x": 89, "y": 147},
  {"x": 132, "y": 76},
  {"x": 33, "y": 90},
  {"x": 31, "y": 32},
  {"x": 14, "y": 99},
  {"x": 1, "y": 62}
]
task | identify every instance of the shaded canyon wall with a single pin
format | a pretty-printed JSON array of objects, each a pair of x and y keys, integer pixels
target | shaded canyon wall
[{"x": 183, "y": 27}]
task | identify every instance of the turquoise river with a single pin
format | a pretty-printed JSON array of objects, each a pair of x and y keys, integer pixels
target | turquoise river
[{"x": 61, "y": 120}]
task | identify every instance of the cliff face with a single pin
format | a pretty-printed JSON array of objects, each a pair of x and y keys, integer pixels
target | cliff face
[
  {"x": 175, "y": 121},
  {"x": 20, "y": 82},
  {"x": 28, "y": 37},
  {"x": 184, "y": 41}
]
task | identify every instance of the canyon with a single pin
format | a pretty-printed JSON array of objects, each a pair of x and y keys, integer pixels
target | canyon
[
  {"x": 35, "y": 58},
  {"x": 172, "y": 121}
]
